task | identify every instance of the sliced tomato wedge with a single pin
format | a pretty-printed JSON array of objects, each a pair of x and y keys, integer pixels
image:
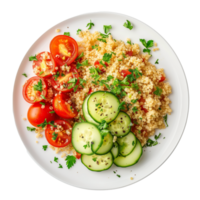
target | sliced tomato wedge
[
  {"x": 124, "y": 73},
  {"x": 142, "y": 101},
  {"x": 77, "y": 155},
  {"x": 64, "y": 49},
  {"x": 162, "y": 79},
  {"x": 64, "y": 107},
  {"x": 65, "y": 80},
  {"x": 101, "y": 67},
  {"x": 44, "y": 66},
  {"x": 35, "y": 90},
  {"x": 59, "y": 136}
]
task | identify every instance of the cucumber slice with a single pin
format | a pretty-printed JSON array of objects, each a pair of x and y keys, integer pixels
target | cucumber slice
[
  {"x": 121, "y": 125},
  {"x": 86, "y": 138},
  {"x": 115, "y": 150},
  {"x": 106, "y": 146},
  {"x": 127, "y": 144},
  {"x": 86, "y": 114},
  {"x": 103, "y": 105},
  {"x": 131, "y": 159},
  {"x": 97, "y": 162}
]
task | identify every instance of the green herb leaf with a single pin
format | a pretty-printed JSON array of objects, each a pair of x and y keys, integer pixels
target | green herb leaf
[
  {"x": 109, "y": 77},
  {"x": 24, "y": 75},
  {"x": 128, "y": 25},
  {"x": 151, "y": 143},
  {"x": 52, "y": 124},
  {"x": 38, "y": 86},
  {"x": 78, "y": 31},
  {"x": 85, "y": 146},
  {"x": 41, "y": 73},
  {"x": 101, "y": 40},
  {"x": 133, "y": 143},
  {"x": 30, "y": 128},
  {"x": 107, "y": 57},
  {"x": 42, "y": 103},
  {"x": 71, "y": 160},
  {"x": 134, "y": 101},
  {"x": 84, "y": 63},
  {"x": 157, "y": 136},
  {"x": 81, "y": 120},
  {"x": 54, "y": 136},
  {"x": 104, "y": 35},
  {"x": 121, "y": 106},
  {"x": 55, "y": 159},
  {"x": 67, "y": 33},
  {"x": 80, "y": 56},
  {"x": 158, "y": 91},
  {"x": 104, "y": 132},
  {"x": 60, "y": 166},
  {"x": 124, "y": 55},
  {"x": 45, "y": 147},
  {"x": 149, "y": 44},
  {"x": 102, "y": 125},
  {"x": 135, "y": 74},
  {"x": 165, "y": 118},
  {"x": 134, "y": 109},
  {"x": 43, "y": 97},
  {"x": 81, "y": 82},
  {"x": 52, "y": 111},
  {"x": 118, "y": 175},
  {"x": 31, "y": 58},
  {"x": 43, "y": 124},
  {"x": 157, "y": 61},
  {"x": 94, "y": 159},
  {"x": 135, "y": 86},
  {"x": 89, "y": 25},
  {"x": 129, "y": 42},
  {"x": 147, "y": 51},
  {"x": 95, "y": 47},
  {"x": 107, "y": 28}
]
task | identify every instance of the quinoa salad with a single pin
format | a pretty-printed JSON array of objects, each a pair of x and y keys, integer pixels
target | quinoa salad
[{"x": 99, "y": 99}]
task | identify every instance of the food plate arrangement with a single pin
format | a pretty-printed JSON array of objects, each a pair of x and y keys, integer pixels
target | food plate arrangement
[{"x": 153, "y": 157}]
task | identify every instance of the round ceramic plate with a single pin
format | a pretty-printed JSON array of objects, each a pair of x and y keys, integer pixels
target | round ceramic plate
[{"x": 153, "y": 157}]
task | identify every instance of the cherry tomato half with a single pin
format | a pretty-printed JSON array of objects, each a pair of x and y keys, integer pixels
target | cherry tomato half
[
  {"x": 63, "y": 106},
  {"x": 66, "y": 80},
  {"x": 37, "y": 113},
  {"x": 130, "y": 53},
  {"x": 44, "y": 66},
  {"x": 59, "y": 136},
  {"x": 34, "y": 90},
  {"x": 142, "y": 101},
  {"x": 64, "y": 49},
  {"x": 162, "y": 79},
  {"x": 124, "y": 73},
  {"x": 78, "y": 155}
]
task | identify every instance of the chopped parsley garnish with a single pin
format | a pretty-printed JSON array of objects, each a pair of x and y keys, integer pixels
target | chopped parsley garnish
[
  {"x": 159, "y": 108},
  {"x": 30, "y": 128},
  {"x": 52, "y": 123},
  {"x": 45, "y": 147},
  {"x": 71, "y": 160},
  {"x": 107, "y": 57},
  {"x": 113, "y": 53},
  {"x": 133, "y": 143},
  {"x": 118, "y": 175},
  {"x": 73, "y": 82},
  {"x": 31, "y": 58},
  {"x": 134, "y": 109},
  {"x": 24, "y": 75},
  {"x": 85, "y": 146},
  {"x": 157, "y": 136},
  {"x": 164, "y": 138},
  {"x": 121, "y": 106},
  {"x": 158, "y": 91},
  {"x": 94, "y": 159},
  {"x": 135, "y": 74},
  {"x": 67, "y": 33},
  {"x": 38, "y": 86},
  {"x": 129, "y": 42},
  {"x": 128, "y": 25},
  {"x": 75, "y": 88},
  {"x": 78, "y": 31},
  {"x": 55, "y": 159},
  {"x": 103, "y": 125},
  {"x": 151, "y": 143},
  {"x": 84, "y": 63},
  {"x": 135, "y": 86},
  {"x": 54, "y": 136},
  {"x": 42, "y": 103},
  {"x": 95, "y": 47},
  {"x": 124, "y": 55},
  {"x": 165, "y": 118},
  {"x": 41, "y": 73},
  {"x": 101, "y": 62},
  {"x": 56, "y": 76},
  {"x": 89, "y": 25},
  {"x": 52, "y": 111},
  {"x": 109, "y": 77},
  {"x": 147, "y": 44},
  {"x": 104, "y": 35},
  {"x": 139, "y": 131},
  {"x": 80, "y": 119},
  {"x": 101, "y": 40},
  {"x": 114, "y": 172},
  {"x": 157, "y": 61},
  {"x": 80, "y": 56},
  {"x": 42, "y": 96},
  {"x": 134, "y": 101},
  {"x": 140, "y": 118},
  {"x": 43, "y": 124},
  {"x": 60, "y": 166},
  {"x": 81, "y": 82},
  {"x": 107, "y": 28}
]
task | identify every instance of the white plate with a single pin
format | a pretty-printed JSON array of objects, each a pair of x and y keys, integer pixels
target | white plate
[{"x": 153, "y": 157}]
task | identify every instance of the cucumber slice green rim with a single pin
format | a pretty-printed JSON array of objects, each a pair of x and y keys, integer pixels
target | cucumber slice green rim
[
  {"x": 97, "y": 163},
  {"x": 103, "y": 105},
  {"x": 86, "y": 138},
  {"x": 115, "y": 150},
  {"x": 106, "y": 146},
  {"x": 85, "y": 112},
  {"x": 121, "y": 125},
  {"x": 131, "y": 159},
  {"x": 127, "y": 144}
]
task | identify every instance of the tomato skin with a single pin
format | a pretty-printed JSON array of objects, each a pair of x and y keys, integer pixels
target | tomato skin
[
  {"x": 62, "y": 108},
  {"x": 78, "y": 155},
  {"x": 130, "y": 53},
  {"x": 101, "y": 67},
  {"x": 143, "y": 101},
  {"x": 162, "y": 79},
  {"x": 38, "y": 62},
  {"x": 124, "y": 73},
  {"x": 25, "y": 86},
  {"x": 74, "y": 74},
  {"x": 36, "y": 115},
  {"x": 63, "y": 137},
  {"x": 90, "y": 91},
  {"x": 54, "y": 49}
]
